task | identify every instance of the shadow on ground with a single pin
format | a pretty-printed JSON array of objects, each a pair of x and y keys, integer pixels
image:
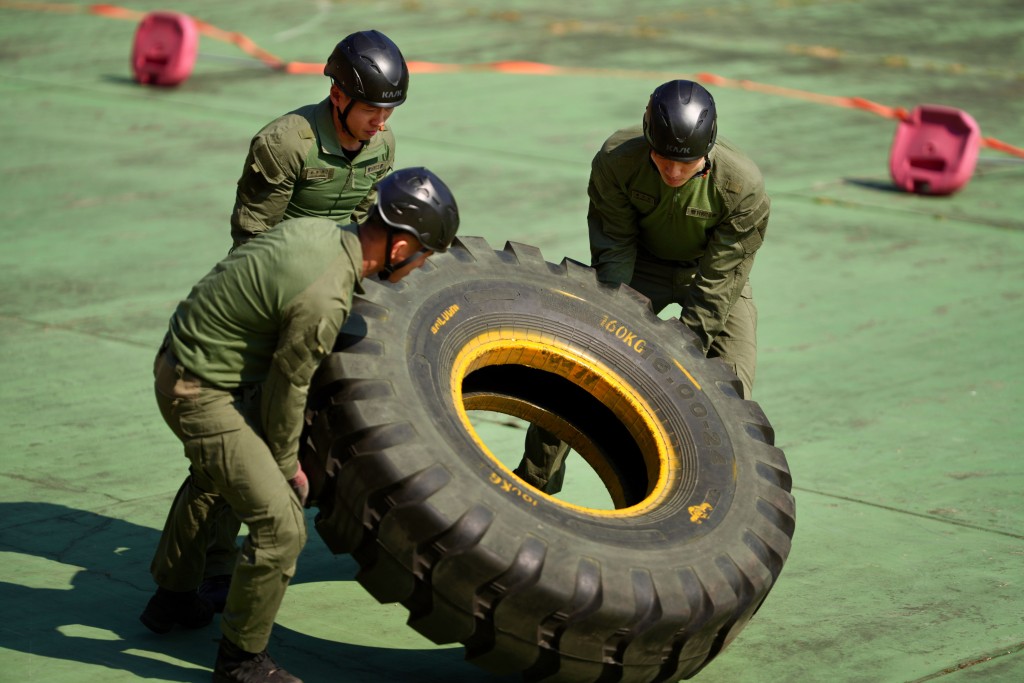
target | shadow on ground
[{"x": 93, "y": 618}]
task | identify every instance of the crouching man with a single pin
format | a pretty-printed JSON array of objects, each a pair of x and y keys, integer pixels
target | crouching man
[{"x": 231, "y": 382}]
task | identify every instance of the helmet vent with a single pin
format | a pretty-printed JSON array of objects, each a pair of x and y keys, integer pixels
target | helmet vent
[{"x": 371, "y": 63}]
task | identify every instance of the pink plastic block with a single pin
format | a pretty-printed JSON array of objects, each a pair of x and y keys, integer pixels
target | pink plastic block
[
  {"x": 935, "y": 150},
  {"x": 165, "y": 48}
]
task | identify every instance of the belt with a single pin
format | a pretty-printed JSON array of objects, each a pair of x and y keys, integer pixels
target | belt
[
  {"x": 166, "y": 354},
  {"x": 242, "y": 391}
]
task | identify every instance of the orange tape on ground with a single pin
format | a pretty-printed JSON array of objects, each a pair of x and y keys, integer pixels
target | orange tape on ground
[
  {"x": 506, "y": 67},
  {"x": 115, "y": 12},
  {"x": 244, "y": 43}
]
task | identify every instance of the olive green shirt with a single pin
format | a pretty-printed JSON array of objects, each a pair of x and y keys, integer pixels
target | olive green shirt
[
  {"x": 296, "y": 167},
  {"x": 267, "y": 315},
  {"x": 714, "y": 222}
]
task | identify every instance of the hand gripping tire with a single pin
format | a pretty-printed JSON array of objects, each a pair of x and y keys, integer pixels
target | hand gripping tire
[{"x": 649, "y": 591}]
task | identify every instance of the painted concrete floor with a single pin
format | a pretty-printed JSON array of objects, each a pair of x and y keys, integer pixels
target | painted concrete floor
[{"x": 891, "y": 361}]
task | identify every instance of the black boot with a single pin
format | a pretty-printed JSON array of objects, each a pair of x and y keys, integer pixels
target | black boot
[
  {"x": 167, "y": 608},
  {"x": 214, "y": 589},
  {"x": 235, "y": 665}
]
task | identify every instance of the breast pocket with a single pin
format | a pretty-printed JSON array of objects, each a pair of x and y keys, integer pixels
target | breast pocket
[
  {"x": 368, "y": 176},
  {"x": 642, "y": 202}
]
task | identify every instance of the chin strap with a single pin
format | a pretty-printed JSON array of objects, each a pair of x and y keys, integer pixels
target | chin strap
[
  {"x": 343, "y": 115},
  {"x": 707, "y": 167},
  {"x": 409, "y": 259},
  {"x": 388, "y": 269}
]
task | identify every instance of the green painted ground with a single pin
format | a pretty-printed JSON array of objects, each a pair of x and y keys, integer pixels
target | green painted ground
[{"x": 890, "y": 357}]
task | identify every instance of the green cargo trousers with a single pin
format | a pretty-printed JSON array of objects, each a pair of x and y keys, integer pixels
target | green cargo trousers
[
  {"x": 230, "y": 467},
  {"x": 543, "y": 464}
]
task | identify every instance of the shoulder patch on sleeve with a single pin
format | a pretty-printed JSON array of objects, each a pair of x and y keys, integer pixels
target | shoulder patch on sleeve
[{"x": 265, "y": 161}]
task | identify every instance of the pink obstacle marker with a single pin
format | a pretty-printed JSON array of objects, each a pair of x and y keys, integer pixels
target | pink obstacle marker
[
  {"x": 165, "y": 48},
  {"x": 935, "y": 150}
]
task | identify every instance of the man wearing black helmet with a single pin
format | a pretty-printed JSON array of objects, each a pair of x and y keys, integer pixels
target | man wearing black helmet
[
  {"x": 677, "y": 214},
  {"x": 324, "y": 159},
  {"x": 231, "y": 382},
  {"x": 320, "y": 160}
]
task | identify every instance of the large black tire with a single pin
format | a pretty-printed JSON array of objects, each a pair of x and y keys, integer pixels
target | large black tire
[{"x": 649, "y": 591}]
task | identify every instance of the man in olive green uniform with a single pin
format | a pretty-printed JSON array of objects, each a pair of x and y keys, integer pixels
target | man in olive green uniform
[
  {"x": 320, "y": 160},
  {"x": 324, "y": 159},
  {"x": 231, "y": 382},
  {"x": 678, "y": 215}
]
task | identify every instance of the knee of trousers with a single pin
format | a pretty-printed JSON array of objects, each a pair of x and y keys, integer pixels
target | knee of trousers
[
  {"x": 295, "y": 529},
  {"x": 281, "y": 536}
]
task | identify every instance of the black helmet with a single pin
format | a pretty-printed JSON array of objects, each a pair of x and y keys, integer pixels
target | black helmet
[
  {"x": 416, "y": 201},
  {"x": 369, "y": 67},
  {"x": 681, "y": 122}
]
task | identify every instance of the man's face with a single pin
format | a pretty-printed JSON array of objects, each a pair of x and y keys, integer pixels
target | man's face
[
  {"x": 675, "y": 173},
  {"x": 365, "y": 121}
]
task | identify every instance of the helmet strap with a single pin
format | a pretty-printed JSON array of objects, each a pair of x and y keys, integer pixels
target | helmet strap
[
  {"x": 343, "y": 116},
  {"x": 408, "y": 259},
  {"x": 388, "y": 269},
  {"x": 707, "y": 167}
]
